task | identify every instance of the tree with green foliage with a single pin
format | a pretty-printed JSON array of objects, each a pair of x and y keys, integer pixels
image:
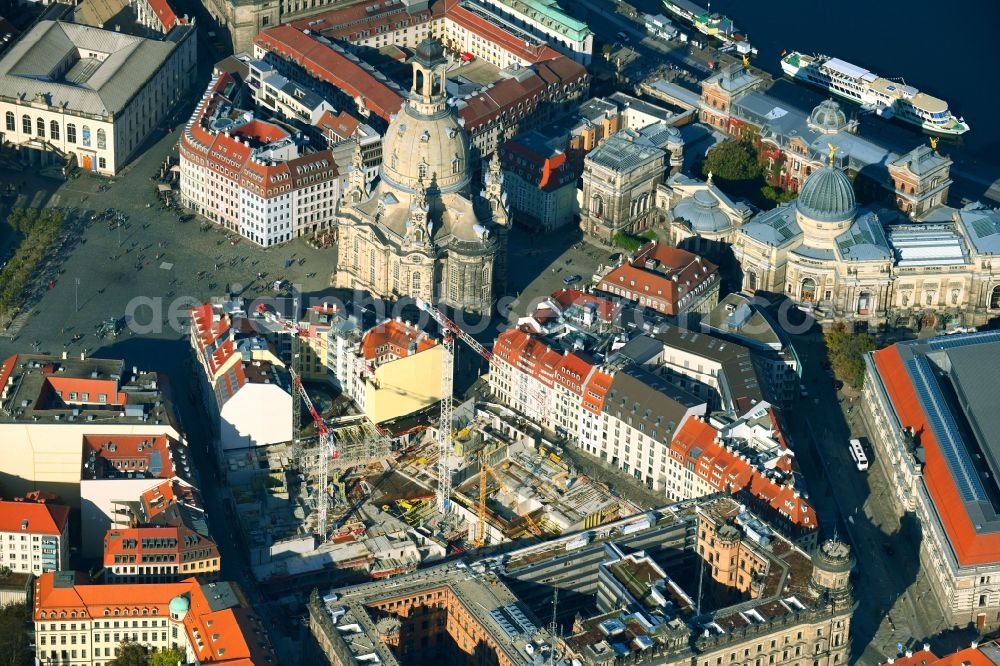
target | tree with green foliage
[
  {"x": 733, "y": 160},
  {"x": 777, "y": 194},
  {"x": 39, "y": 228},
  {"x": 14, "y": 636},
  {"x": 170, "y": 657},
  {"x": 628, "y": 242},
  {"x": 130, "y": 654},
  {"x": 846, "y": 351}
]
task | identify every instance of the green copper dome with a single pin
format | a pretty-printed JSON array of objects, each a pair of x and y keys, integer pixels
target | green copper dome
[
  {"x": 179, "y": 605},
  {"x": 827, "y": 196}
]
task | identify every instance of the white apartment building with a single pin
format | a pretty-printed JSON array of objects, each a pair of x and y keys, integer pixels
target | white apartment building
[
  {"x": 640, "y": 414},
  {"x": 254, "y": 177},
  {"x": 34, "y": 536},
  {"x": 75, "y": 90}
]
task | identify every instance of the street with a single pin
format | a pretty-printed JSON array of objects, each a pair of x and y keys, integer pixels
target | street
[{"x": 895, "y": 602}]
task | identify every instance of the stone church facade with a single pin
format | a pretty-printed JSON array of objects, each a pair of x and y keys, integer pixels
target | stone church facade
[{"x": 421, "y": 231}]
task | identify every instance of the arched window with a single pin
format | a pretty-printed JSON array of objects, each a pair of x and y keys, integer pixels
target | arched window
[
  {"x": 26, "y": 124},
  {"x": 416, "y": 281},
  {"x": 102, "y": 139},
  {"x": 751, "y": 280},
  {"x": 486, "y": 275},
  {"x": 807, "y": 293},
  {"x": 11, "y": 122},
  {"x": 54, "y": 130},
  {"x": 456, "y": 165},
  {"x": 864, "y": 303},
  {"x": 995, "y": 298},
  {"x": 40, "y": 126},
  {"x": 71, "y": 133},
  {"x": 86, "y": 136}
]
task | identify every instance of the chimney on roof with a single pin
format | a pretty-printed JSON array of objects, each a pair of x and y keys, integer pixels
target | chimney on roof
[{"x": 83, "y": 356}]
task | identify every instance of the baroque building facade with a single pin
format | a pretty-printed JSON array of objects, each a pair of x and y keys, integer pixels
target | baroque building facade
[{"x": 420, "y": 231}]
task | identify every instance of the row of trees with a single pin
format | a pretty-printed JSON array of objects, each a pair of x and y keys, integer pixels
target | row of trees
[
  {"x": 39, "y": 229},
  {"x": 135, "y": 654}
]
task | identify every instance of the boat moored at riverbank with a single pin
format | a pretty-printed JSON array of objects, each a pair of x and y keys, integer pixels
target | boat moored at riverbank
[{"x": 886, "y": 97}]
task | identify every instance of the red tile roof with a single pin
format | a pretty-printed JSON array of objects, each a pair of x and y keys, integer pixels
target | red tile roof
[
  {"x": 394, "y": 338},
  {"x": 230, "y": 154},
  {"x": 41, "y": 517},
  {"x": 331, "y": 66},
  {"x": 574, "y": 371},
  {"x": 342, "y": 125},
  {"x": 696, "y": 444},
  {"x": 596, "y": 391},
  {"x": 6, "y": 370},
  {"x": 351, "y": 22},
  {"x": 165, "y": 13},
  {"x": 970, "y": 547},
  {"x": 132, "y": 453},
  {"x": 179, "y": 541},
  {"x": 232, "y": 636},
  {"x": 662, "y": 274},
  {"x": 547, "y": 171},
  {"x": 65, "y": 386}
]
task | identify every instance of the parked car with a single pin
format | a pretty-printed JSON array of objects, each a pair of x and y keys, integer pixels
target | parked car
[{"x": 571, "y": 279}]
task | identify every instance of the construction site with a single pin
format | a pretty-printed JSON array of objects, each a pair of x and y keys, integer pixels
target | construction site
[{"x": 348, "y": 500}]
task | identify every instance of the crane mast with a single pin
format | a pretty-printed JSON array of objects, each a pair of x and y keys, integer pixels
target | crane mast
[
  {"x": 327, "y": 451},
  {"x": 445, "y": 424}
]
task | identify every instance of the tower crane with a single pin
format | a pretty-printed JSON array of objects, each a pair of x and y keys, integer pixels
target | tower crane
[
  {"x": 452, "y": 330},
  {"x": 327, "y": 450}
]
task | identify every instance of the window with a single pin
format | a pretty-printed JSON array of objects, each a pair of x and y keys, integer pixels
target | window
[
  {"x": 54, "y": 130},
  {"x": 40, "y": 125},
  {"x": 416, "y": 282},
  {"x": 71, "y": 133},
  {"x": 11, "y": 122},
  {"x": 86, "y": 136},
  {"x": 265, "y": 20},
  {"x": 102, "y": 163},
  {"x": 26, "y": 124},
  {"x": 102, "y": 139}
]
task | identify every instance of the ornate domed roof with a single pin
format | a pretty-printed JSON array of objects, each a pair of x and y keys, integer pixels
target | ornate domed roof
[
  {"x": 424, "y": 141},
  {"x": 827, "y": 196},
  {"x": 702, "y": 212},
  {"x": 179, "y": 605},
  {"x": 828, "y": 117}
]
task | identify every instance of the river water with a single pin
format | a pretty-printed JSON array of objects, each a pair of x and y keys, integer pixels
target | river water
[{"x": 948, "y": 49}]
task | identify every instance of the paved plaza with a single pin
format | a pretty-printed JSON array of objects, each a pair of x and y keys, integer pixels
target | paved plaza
[{"x": 152, "y": 267}]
